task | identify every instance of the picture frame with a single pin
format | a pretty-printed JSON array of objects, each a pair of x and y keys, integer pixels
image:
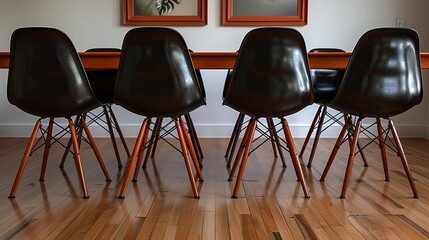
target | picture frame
[
  {"x": 264, "y": 12},
  {"x": 164, "y": 13}
]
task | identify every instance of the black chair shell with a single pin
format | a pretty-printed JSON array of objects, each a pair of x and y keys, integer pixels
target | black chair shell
[
  {"x": 54, "y": 85},
  {"x": 325, "y": 81},
  {"x": 373, "y": 87},
  {"x": 156, "y": 77},
  {"x": 275, "y": 85},
  {"x": 103, "y": 81}
]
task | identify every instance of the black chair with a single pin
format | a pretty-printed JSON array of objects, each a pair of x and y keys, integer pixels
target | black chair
[
  {"x": 383, "y": 79},
  {"x": 157, "y": 79},
  {"x": 267, "y": 132},
  {"x": 47, "y": 79},
  {"x": 103, "y": 85},
  {"x": 325, "y": 86},
  {"x": 271, "y": 79}
]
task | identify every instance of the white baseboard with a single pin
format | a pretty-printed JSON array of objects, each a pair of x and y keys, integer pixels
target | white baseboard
[{"x": 221, "y": 131}]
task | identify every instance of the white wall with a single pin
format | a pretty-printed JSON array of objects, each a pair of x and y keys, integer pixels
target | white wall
[{"x": 96, "y": 23}]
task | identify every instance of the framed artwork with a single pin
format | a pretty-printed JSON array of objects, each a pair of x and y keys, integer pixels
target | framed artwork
[
  {"x": 264, "y": 12},
  {"x": 164, "y": 12}
]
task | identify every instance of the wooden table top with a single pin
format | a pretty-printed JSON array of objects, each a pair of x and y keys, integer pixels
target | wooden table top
[{"x": 212, "y": 60}]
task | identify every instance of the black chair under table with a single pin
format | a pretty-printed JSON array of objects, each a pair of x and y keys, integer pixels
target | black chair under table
[
  {"x": 157, "y": 79},
  {"x": 383, "y": 79},
  {"x": 47, "y": 79},
  {"x": 325, "y": 87},
  {"x": 271, "y": 79},
  {"x": 103, "y": 85}
]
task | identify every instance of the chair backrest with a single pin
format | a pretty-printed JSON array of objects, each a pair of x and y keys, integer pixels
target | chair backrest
[
  {"x": 103, "y": 81},
  {"x": 46, "y": 77},
  {"x": 156, "y": 76},
  {"x": 271, "y": 76},
  {"x": 325, "y": 81},
  {"x": 383, "y": 77}
]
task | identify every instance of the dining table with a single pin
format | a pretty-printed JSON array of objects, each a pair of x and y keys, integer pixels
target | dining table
[{"x": 213, "y": 60}]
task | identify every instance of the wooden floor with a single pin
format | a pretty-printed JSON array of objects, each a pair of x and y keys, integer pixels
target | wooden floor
[{"x": 270, "y": 204}]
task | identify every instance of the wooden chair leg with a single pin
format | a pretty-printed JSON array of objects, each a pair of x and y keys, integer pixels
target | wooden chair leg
[
  {"x": 69, "y": 144},
  {"x": 272, "y": 140},
  {"x": 95, "y": 150},
  {"x": 362, "y": 154},
  {"x": 25, "y": 159},
  {"x": 133, "y": 159},
  {"x": 336, "y": 148},
  {"x": 194, "y": 136},
  {"x": 112, "y": 136},
  {"x": 382, "y": 149},
  {"x": 191, "y": 148},
  {"x": 252, "y": 128},
  {"x": 194, "y": 139},
  {"x": 141, "y": 153},
  {"x": 351, "y": 158},
  {"x": 157, "y": 130},
  {"x": 403, "y": 158},
  {"x": 295, "y": 160},
  {"x": 46, "y": 150},
  {"x": 365, "y": 163},
  {"x": 240, "y": 152},
  {"x": 78, "y": 161},
  {"x": 180, "y": 132},
  {"x": 235, "y": 130},
  {"x": 317, "y": 136},
  {"x": 118, "y": 130},
  {"x": 277, "y": 141},
  {"x": 235, "y": 139},
  {"x": 310, "y": 131},
  {"x": 151, "y": 142}
]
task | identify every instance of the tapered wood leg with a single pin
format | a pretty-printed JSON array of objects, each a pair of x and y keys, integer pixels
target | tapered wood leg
[
  {"x": 180, "y": 132},
  {"x": 235, "y": 131},
  {"x": 403, "y": 158},
  {"x": 112, "y": 136},
  {"x": 382, "y": 149},
  {"x": 47, "y": 148},
  {"x": 133, "y": 159},
  {"x": 295, "y": 160},
  {"x": 194, "y": 136},
  {"x": 140, "y": 155},
  {"x": 190, "y": 145},
  {"x": 272, "y": 140},
  {"x": 310, "y": 131},
  {"x": 25, "y": 159},
  {"x": 69, "y": 144},
  {"x": 336, "y": 148},
  {"x": 251, "y": 127},
  {"x": 240, "y": 152},
  {"x": 78, "y": 161},
  {"x": 150, "y": 143},
  {"x": 118, "y": 130},
  {"x": 277, "y": 140},
  {"x": 351, "y": 158},
  {"x": 155, "y": 143},
  {"x": 317, "y": 136},
  {"x": 235, "y": 139},
  {"x": 95, "y": 150},
  {"x": 362, "y": 154}
]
